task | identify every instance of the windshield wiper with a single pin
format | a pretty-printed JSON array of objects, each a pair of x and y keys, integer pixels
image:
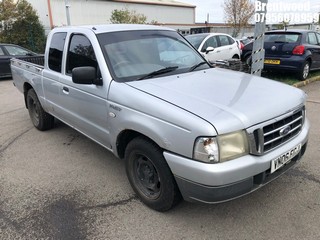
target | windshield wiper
[
  {"x": 196, "y": 66},
  {"x": 158, "y": 72}
]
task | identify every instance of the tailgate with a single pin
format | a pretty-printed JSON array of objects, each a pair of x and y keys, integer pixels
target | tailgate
[{"x": 281, "y": 44}]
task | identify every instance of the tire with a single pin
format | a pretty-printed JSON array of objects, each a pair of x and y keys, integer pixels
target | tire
[
  {"x": 304, "y": 72},
  {"x": 150, "y": 176},
  {"x": 40, "y": 119},
  {"x": 248, "y": 60}
]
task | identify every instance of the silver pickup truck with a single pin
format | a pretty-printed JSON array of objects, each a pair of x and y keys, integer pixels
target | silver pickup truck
[{"x": 184, "y": 128}]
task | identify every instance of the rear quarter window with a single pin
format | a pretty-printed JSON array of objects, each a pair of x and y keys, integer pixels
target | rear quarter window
[
  {"x": 56, "y": 51},
  {"x": 312, "y": 39},
  {"x": 231, "y": 41}
]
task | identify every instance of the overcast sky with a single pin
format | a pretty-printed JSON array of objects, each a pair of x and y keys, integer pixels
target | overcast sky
[{"x": 216, "y": 15}]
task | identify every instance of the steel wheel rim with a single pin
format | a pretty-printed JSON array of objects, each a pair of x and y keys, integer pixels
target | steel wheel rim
[
  {"x": 146, "y": 176},
  {"x": 34, "y": 109}
]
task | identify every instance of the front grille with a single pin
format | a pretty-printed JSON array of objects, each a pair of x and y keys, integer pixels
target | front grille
[{"x": 271, "y": 135}]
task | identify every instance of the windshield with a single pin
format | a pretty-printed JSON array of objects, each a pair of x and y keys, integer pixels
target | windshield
[
  {"x": 137, "y": 55},
  {"x": 196, "y": 39}
]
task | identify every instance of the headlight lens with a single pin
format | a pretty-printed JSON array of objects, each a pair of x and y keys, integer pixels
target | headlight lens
[
  {"x": 221, "y": 148},
  {"x": 206, "y": 150}
]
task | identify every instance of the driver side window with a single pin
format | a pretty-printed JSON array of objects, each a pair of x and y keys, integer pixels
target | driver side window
[
  {"x": 80, "y": 53},
  {"x": 211, "y": 42}
]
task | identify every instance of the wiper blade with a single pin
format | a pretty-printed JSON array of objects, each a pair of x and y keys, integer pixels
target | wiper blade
[
  {"x": 158, "y": 72},
  {"x": 196, "y": 66}
]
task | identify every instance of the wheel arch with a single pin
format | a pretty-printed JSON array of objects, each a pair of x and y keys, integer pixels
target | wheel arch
[
  {"x": 309, "y": 59},
  {"x": 236, "y": 56},
  {"x": 26, "y": 88},
  {"x": 125, "y": 137}
]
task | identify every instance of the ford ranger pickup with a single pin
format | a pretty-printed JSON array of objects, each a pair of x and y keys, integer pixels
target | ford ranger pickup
[{"x": 184, "y": 128}]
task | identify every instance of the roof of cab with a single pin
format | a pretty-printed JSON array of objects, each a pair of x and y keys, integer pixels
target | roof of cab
[{"x": 114, "y": 28}]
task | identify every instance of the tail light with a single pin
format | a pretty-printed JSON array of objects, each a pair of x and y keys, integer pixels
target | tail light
[
  {"x": 241, "y": 45},
  {"x": 298, "y": 50}
]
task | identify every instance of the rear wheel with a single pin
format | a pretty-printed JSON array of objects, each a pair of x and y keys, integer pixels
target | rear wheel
[
  {"x": 248, "y": 60},
  {"x": 40, "y": 119},
  {"x": 304, "y": 72},
  {"x": 150, "y": 176}
]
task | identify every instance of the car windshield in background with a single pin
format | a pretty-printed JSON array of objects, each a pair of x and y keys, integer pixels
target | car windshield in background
[
  {"x": 17, "y": 51},
  {"x": 137, "y": 55},
  {"x": 196, "y": 39},
  {"x": 283, "y": 37}
]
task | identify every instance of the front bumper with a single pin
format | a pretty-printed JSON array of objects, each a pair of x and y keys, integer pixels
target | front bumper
[{"x": 213, "y": 183}]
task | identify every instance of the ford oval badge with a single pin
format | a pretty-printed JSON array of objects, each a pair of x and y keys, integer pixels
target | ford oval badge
[{"x": 285, "y": 131}]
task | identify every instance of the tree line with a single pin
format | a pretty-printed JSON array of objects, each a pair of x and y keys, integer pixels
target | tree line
[{"x": 20, "y": 24}]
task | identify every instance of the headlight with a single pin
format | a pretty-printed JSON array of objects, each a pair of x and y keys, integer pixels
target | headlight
[{"x": 221, "y": 148}]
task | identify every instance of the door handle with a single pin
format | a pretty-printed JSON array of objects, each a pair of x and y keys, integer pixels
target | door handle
[{"x": 65, "y": 90}]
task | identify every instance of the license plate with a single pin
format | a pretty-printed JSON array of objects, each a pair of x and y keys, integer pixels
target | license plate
[
  {"x": 284, "y": 158},
  {"x": 271, "y": 61}
]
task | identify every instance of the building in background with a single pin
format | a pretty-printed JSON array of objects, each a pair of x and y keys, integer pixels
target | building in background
[{"x": 52, "y": 13}]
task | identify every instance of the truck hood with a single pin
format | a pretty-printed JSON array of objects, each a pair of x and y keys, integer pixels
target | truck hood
[{"x": 227, "y": 99}]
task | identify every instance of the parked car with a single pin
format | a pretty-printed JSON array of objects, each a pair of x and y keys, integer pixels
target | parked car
[
  {"x": 242, "y": 42},
  {"x": 215, "y": 46},
  {"x": 245, "y": 40},
  {"x": 293, "y": 50},
  {"x": 8, "y": 51}
]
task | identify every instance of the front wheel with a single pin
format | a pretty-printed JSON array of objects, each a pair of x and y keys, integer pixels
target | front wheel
[
  {"x": 150, "y": 176},
  {"x": 304, "y": 72},
  {"x": 40, "y": 119}
]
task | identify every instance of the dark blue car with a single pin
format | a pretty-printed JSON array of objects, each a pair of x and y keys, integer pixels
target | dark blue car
[
  {"x": 8, "y": 51},
  {"x": 292, "y": 50}
]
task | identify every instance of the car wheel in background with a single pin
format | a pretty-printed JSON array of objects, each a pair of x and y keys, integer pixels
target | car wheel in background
[{"x": 304, "y": 72}]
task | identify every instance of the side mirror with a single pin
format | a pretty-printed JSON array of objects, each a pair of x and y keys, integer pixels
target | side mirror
[
  {"x": 209, "y": 49},
  {"x": 86, "y": 75}
]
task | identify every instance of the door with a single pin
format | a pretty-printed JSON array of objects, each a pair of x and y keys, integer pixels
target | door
[
  {"x": 52, "y": 74},
  {"x": 226, "y": 49},
  {"x": 84, "y": 106},
  {"x": 314, "y": 48},
  {"x": 214, "y": 55}
]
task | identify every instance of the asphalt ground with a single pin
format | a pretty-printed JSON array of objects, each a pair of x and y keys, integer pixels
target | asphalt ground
[{"x": 59, "y": 184}]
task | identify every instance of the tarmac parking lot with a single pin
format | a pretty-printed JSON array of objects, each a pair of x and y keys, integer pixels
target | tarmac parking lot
[{"x": 59, "y": 184}]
